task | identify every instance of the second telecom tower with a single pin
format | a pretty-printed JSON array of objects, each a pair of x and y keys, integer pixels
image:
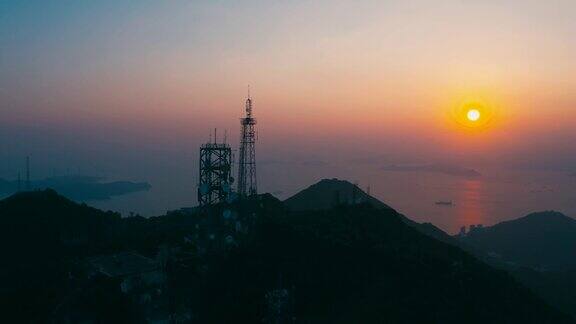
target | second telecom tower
[{"x": 247, "y": 158}]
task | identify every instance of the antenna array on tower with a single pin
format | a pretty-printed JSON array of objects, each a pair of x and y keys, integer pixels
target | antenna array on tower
[{"x": 247, "y": 155}]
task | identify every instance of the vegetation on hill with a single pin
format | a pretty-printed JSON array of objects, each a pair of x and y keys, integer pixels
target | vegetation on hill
[
  {"x": 362, "y": 264},
  {"x": 250, "y": 261},
  {"x": 538, "y": 249},
  {"x": 328, "y": 193},
  {"x": 545, "y": 240}
]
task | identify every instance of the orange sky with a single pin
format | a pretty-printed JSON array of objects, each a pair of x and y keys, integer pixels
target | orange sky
[{"x": 355, "y": 74}]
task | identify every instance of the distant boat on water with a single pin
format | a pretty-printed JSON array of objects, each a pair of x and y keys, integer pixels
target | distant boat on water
[{"x": 444, "y": 203}]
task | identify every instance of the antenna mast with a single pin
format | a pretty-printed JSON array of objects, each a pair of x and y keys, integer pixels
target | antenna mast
[
  {"x": 28, "y": 186},
  {"x": 247, "y": 156}
]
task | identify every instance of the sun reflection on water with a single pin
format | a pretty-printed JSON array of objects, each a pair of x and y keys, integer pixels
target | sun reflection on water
[{"x": 469, "y": 209}]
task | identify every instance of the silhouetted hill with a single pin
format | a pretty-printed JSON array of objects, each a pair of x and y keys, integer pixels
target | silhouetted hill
[
  {"x": 360, "y": 264},
  {"x": 328, "y": 193},
  {"x": 79, "y": 188},
  {"x": 41, "y": 233},
  {"x": 545, "y": 240},
  {"x": 250, "y": 261},
  {"x": 538, "y": 249},
  {"x": 53, "y": 219},
  {"x": 331, "y": 192},
  {"x": 558, "y": 288}
]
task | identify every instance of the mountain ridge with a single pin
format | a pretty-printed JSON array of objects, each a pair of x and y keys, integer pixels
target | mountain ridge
[
  {"x": 544, "y": 240},
  {"x": 330, "y": 192},
  {"x": 347, "y": 263}
]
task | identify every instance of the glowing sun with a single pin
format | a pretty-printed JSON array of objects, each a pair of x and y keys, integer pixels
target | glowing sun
[{"x": 473, "y": 115}]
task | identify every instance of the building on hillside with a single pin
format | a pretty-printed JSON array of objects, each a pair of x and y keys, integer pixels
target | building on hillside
[{"x": 133, "y": 270}]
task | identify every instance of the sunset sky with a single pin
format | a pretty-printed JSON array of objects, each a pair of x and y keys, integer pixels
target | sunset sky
[{"x": 131, "y": 88}]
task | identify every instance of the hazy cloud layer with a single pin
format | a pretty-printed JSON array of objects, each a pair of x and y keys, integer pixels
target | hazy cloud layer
[
  {"x": 316, "y": 163},
  {"x": 434, "y": 168}
]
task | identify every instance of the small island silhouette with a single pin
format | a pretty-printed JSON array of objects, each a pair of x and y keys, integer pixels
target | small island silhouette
[{"x": 77, "y": 187}]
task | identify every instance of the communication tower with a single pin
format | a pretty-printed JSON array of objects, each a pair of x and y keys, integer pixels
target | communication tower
[
  {"x": 247, "y": 154},
  {"x": 215, "y": 173},
  {"x": 28, "y": 184}
]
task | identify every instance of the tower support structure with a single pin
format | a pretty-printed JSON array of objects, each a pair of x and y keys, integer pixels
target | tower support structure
[
  {"x": 215, "y": 180},
  {"x": 247, "y": 185}
]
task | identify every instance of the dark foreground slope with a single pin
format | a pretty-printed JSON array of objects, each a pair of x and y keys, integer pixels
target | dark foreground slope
[
  {"x": 248, "y": 262},
  {"x": 545, "y": 240},
  {"x": 42, "y": 235},
  {"x": 538, "y": 249},
  {"x": 362, "y": 264}
]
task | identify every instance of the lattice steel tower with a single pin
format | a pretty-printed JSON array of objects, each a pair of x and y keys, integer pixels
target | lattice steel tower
[
  {"x": 247, "y": 156},
  {"x": 215, "y": 173}
]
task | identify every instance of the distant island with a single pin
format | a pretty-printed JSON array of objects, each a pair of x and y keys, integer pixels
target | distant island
[{"x": 77, "y": 187}]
